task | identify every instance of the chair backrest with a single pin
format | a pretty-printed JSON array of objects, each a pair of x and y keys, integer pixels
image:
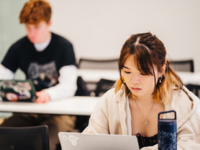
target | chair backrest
[
  {"x": 81, "y": 88},
  {"x": 103, "y": 85},
  {"x": 85, "y": 63},
  {"x": 81, "y": 121},
  {"x": 182, "y": 65},
  {"x": 24, "y": 138},
  {"x": 194, "y": 88}
]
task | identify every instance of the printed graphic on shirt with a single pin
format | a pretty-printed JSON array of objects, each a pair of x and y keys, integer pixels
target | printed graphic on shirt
[{"x": 43, "y": 76}]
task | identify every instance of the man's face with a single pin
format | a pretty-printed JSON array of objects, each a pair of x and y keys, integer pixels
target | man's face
[{"x": 37, "y": 33}]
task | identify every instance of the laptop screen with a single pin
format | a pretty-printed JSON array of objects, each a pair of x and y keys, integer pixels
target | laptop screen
[
  {"x": 80, "y": 141},
  {"x": 17, "y": 90}
]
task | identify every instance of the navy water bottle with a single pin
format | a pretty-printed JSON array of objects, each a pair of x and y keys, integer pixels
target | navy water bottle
[{"x": 167, "y": 132}]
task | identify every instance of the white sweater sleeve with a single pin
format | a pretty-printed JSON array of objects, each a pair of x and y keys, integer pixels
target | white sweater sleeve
[
  {"x": 67, "y": 83},
  {"x": 5, "y": 73}
]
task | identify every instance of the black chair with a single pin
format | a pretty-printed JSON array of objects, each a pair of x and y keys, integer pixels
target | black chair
[
  {"x": 81, "y": 88},
  {"x": 103, "y": 85},
  {"x": 81, "y": 121},
  {"x": 24, "y": 138},
  {"x": 182, "y": 65},
  {"x": 85, "y": 63},
  {"x": 194, "y": 88},
  {"x": 187, "y": 66}
]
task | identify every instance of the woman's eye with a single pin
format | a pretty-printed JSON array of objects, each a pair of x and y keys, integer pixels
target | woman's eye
[
  {"x": 127, "y": 72},
  {"x": 143, "y": 74}
]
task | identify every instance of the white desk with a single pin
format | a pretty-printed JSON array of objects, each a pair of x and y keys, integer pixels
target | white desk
[
  {"x": 92, "y": 75},
  {"x": 78, "y": 105}
]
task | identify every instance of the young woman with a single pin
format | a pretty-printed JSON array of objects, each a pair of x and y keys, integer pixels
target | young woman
[{"x": 147, "y": 86}]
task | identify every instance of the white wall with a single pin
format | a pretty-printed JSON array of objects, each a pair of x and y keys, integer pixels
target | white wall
[
  {"x": 10, "y": 29},
  {"x": 98, "y": 28}
]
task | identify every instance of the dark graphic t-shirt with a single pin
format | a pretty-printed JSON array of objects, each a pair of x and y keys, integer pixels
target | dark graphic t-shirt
[
  {"x": 41, "y": 67},
  {"x": 43, "y": 76}
]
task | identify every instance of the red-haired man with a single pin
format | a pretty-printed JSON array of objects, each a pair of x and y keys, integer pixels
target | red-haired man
[{"x": 49, "y": 61}]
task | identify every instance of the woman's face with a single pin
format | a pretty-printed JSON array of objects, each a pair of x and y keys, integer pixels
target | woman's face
[{"x": 139, "y": 84}]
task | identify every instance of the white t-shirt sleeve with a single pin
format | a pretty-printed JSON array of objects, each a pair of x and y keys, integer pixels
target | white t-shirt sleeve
[
  {"x": 5, "y": 73},
  {"x": 67, "y": 83}
]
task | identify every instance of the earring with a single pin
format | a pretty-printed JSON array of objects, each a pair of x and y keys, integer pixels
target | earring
[{"x": 160, "y": 79}]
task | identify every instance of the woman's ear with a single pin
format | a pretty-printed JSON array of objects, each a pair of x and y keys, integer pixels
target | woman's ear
[
  {"x": 163, "y": 69},
  {"x": 162, "y": 73}
]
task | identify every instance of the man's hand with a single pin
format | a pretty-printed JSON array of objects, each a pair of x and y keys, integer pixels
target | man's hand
[{"x": 43, "y": 97}]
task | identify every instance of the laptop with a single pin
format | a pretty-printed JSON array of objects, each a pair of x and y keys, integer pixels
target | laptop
[
  {"x": 80, "y": 141},
  {"x": 17, "y": 91}
]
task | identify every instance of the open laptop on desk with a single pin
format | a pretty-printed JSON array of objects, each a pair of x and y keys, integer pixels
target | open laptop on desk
[
  {"x": 17, "y": 90},
  {"x": 80, "y": 141}
]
